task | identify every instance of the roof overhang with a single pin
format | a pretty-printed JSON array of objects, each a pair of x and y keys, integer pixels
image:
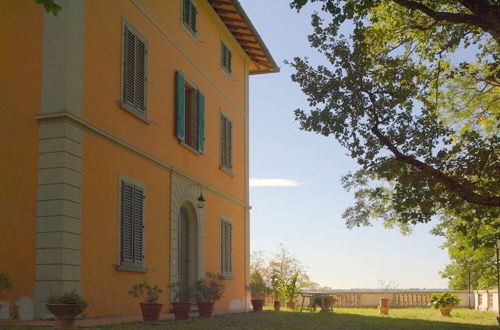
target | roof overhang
[{"x": 242, "y": 29}]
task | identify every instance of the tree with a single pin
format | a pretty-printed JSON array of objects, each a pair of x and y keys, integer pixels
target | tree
[
  {"x": 50, "y": 6},
  {"x": 421, "y": 121},
  {"x": 280, "y": 267}
]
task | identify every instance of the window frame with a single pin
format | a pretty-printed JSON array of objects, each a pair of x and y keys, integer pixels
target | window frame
[
  {"x": 222, "y": 165},
  {"x": 127, "y": 266},
  {"x": 187, "y": 25},
  {"x": 227, "y": 274},
  {"x": 123, "y": 103}
]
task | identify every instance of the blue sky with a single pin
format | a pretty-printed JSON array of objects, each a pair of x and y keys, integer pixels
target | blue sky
[{"x": 306, "y": 216}]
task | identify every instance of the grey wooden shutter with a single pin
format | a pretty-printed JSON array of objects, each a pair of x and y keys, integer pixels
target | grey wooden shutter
[
  {"x": 138, "y": 224},
  {"x": 226, "y": 248},
  {"x": 186, "y": 7},
  {"x": 134, "y": 72},
  {"x": 226, "y": 142},
  {"x": 140, "y": 95},
  {"x": 194, "y": 14},
  {"x": 129, "y": 55},
  {"x": 127, "y": 222},
  {"x": 229, "y": 59}
]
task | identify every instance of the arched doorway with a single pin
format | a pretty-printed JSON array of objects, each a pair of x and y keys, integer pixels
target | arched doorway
[{"x": 187, "y": 252}]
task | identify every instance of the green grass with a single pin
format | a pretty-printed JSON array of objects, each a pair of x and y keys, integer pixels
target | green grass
[{"x": 342, "y": 318}]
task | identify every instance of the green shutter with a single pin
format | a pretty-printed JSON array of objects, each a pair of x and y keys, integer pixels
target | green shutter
[
  {"x": 194, "y": 14},
  {"x": 201, "y": 122},
  {"x": 129, "y": 80},
  {"x": 180, "y": 106}
]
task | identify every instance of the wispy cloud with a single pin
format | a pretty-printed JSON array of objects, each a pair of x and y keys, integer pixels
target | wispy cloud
[{"x": 259, "y": 182}]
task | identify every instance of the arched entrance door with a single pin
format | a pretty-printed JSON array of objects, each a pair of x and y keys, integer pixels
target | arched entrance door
[{"x": 188, "y": 245}]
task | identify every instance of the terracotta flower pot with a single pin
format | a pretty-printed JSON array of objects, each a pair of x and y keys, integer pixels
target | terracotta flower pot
[
  {"x": 277, "y": 305},
  {"x": 445, "y": 310},
  {"x": 65, "y": 314},
  {"x": 384, "y": 302},
  {"x": 205, "y": 308},
  {"x": 290, "y": 304},
  {"x": 257, "y": 305},
  {"x": 151, "y": 311},
  {"x": 181, "y": 310}
]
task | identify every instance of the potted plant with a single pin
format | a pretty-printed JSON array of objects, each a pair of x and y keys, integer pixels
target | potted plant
[
  {"x": 181, "y": 304},
  {"x": 388, "y": 287},
  {"x": 208, "y": 290},
  {"x": 275, "y": 291},
  {"x": 290, "y": 290},
  {"x": 66, "y": 307},
  {"x": 444, "y": 302},
  {"x": 258, "y": 290},
  {"x": 5, "y": 283},
  {"x": 150, "y": 308},
  {"x": 323, "y": 301}
]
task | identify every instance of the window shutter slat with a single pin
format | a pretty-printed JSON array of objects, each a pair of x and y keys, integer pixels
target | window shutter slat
[
  {"x": 201, "y": 122},
  {"x": 127, "y": 220},
  {"x": 180, "y": 106},
  {"x": 140, "y": 76}
]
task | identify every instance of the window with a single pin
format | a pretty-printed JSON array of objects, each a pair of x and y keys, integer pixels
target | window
[
  {"x": 225, "y": 58},
  {"x": 132, "y": 225},
  {"x": 226, "y": 248},
  {"x": 190, "y": 114},
  {"x": 226, "y": 127},
  {"x": 189, "y": 14},
  {"x": 134, "y": 72}
]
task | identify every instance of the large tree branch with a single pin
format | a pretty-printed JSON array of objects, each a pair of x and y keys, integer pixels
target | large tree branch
[
  {"x": 449, "y": 182},
  {"x": 484, "y": 15}
]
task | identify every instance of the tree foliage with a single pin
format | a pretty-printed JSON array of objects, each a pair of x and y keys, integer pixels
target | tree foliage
[
  {"x": 50, "y": 6},
  {"x": 413, "y": 94}
]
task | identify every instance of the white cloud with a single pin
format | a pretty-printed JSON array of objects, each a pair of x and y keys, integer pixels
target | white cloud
[{"x": 258, "y": 182}]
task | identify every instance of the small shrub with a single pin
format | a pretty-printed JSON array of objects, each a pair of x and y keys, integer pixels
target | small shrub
[
  {"x": 71, "y": 298},
  {"x": 5, "y": 282},
  {"x": 181, "y": 292},
  {"x": 210, "y": 288},
  {"x": 143, "y": 290},
  {"x": 444, "y": 299},
  {"x": 258, "y": 287}
]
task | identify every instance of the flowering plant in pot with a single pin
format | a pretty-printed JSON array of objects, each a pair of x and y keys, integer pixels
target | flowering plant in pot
[
  {"x": 66, "y": 307},
  {"x": 258, "y": 290},
  {"x": 290, "y": 289},
  {"x": 150, "y": 308},
  {"x": 444, "y": 302},
  {"x": 181, "y": 304},
  {"x": 5, "y": 283},
  {"x": 208, "y": 290},
  {"x": 276, "y": 283}
]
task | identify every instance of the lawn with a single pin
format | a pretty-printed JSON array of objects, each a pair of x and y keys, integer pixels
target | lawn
[{"x": 342, "y": 318}]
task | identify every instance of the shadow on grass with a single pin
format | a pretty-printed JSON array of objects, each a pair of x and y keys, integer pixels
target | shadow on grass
[{"x": 297, "y": 320}]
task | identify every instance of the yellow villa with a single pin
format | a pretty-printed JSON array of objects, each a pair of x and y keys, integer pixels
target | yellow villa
[{"x": 118, "y": 118}]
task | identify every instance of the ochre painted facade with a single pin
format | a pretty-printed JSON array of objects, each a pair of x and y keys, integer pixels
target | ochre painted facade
[{"x": 62, "y": 160}]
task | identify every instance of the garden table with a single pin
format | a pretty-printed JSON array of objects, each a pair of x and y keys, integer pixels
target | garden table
[{"x": 311, "y": 294}]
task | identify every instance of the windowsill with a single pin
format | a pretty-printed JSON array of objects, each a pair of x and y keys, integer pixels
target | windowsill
[
  {"x": 228, "y": 171},
  {"x": 227, "y": 73},
  {"x": 189, "y": 147},
  {"x": 191, "y": 33},
  {"x": 131, "y": 111},
  {"x": 228, "y": 276},
  {"x": 131, "y": 268}
]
